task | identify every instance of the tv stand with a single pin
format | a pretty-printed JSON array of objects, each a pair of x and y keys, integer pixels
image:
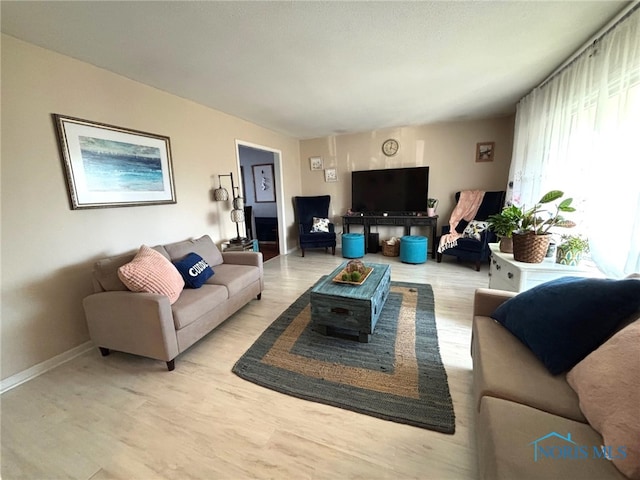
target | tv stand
[{"x": 398, "y": 219}]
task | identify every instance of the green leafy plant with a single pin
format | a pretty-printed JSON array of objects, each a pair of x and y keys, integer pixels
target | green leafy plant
[
  {"x": 432, "y": 202},
  {"x": 506, "y": 222},
  {"x": 574, "y": 243},
  {"x": 539, "y": 219}
]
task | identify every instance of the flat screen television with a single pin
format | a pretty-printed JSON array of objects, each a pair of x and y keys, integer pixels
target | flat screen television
[{"x": 392, "y": 190}]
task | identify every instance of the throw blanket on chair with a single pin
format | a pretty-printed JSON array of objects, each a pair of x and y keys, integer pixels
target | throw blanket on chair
[{"x": 466, "y": 209}]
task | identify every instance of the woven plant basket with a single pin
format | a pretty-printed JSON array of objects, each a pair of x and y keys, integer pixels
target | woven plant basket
[
  {"x": 530, "y": 248},
  {"x": 392, "y": 250}
]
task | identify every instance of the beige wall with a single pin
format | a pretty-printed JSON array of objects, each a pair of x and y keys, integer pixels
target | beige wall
[
  {"x": 47, "y": 249},
  {"x": 448, "y": 149}
]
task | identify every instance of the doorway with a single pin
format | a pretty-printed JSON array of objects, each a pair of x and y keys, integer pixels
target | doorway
[{"x": 261, "y": 184}]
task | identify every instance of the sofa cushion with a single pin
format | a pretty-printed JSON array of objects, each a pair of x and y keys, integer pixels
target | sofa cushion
[
  {"x": 203, "y": 246},
  {"x": 194, "y": 270},
  {"x": 151, "y": 272},
  {"x": 564, "y": 320},
  {"x": 474, "y": 229},
  {"x": 235, "y": 277},
  {"x": 105, "y": 271},
  {"x": 193, "y": 303},
  {"x": 607, "y": 382},
  {"x": 320, "y": 225},
  {"x": 504, "y": 368},
  {"x": 508, "y": 433}
]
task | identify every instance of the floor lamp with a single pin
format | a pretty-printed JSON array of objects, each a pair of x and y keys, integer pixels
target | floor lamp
[{"x": 221, "y": 194}]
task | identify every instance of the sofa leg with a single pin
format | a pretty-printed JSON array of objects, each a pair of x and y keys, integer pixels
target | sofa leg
[
  {"x": 260, "y": 296},
  {"x": 302, "y": 251},
  {"x": 104, "y": 351},
  {"x": 171, "y": 365},
  {"x": 333, "y": 251},
  {"x": 438, "y": 257},
  {"x": 478, "y": 266}
]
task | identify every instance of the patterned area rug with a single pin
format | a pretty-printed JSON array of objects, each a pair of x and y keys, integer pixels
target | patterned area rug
[{"x": 398, "y": 376}]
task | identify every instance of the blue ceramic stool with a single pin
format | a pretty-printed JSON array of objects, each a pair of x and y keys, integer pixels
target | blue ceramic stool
[
  {"x": 413, "y": 249},
  {"x": 352, "y": 245}
]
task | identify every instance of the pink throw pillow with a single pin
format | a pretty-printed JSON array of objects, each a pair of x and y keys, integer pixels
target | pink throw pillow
[
  {"x": 151, "y": 272},
  {"x": 607, "y": 382}
]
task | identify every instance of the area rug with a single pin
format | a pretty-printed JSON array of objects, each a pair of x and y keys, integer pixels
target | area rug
[{"x": 398, "y": 376}]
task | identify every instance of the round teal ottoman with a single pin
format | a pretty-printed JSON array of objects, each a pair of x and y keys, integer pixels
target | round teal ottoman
[
  {"x": 352, "y": 245},
  {"x": 413, "y": 249}
]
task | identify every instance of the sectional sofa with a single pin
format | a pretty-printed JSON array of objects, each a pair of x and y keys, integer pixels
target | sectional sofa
[{"x": 532, "y": 424}]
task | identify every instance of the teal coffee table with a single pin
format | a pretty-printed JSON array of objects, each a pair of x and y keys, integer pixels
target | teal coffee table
[{"x": 355, "y": 308}]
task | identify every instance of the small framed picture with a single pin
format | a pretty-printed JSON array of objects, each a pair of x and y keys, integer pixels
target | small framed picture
[
  {"x": 484, "y": 151},
  {"x": 316, "y": 163},
  {"x": 330, "y": 175}
]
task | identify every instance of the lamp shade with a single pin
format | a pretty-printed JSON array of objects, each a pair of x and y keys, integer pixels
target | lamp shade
[
  {"x": 220, "y": 194},
  {"x": 237, "y": 216},
  {"x": 238, "y": 203}
]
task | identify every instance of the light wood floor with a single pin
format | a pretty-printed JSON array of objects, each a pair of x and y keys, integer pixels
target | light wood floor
[{"x": 126, "y": 417}]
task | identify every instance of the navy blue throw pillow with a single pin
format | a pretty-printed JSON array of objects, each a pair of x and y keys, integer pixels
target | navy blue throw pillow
[
  {"x": 564, "y": 320},
  {"x": 194, "y": 270}
]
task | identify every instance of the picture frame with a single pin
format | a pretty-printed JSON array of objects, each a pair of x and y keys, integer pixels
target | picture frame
[
  {"x": 330, "y": 175},
  {"x": 315, "y": 163},
  {"x": 485, "y": 151},
  {"x": 108, "y": 166},
  {"x": 264, "y": 187}
]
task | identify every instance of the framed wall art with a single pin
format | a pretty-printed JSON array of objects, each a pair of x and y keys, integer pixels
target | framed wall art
[
  {"x": 108, "y": 166},
  {"x": 316, "y": 163},
  {"x": 484, "y": 151},
  {"x": 330, "y": 175},
  {"x": 263, "y": 183}
]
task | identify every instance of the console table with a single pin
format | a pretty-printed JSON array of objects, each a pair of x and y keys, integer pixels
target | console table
[
  {"x": 507, "y": 274},
  {"x": 406, "y": 221}
]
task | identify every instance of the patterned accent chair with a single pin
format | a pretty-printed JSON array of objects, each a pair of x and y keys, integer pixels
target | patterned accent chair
[
  {"x": 306, "y": 209},
  {"x": 470, "y": 249}
]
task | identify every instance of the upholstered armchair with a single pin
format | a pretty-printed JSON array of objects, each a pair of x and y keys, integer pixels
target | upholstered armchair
[
  {"x": 470, "y": 249},
  {"x": 306, "y": 209}
]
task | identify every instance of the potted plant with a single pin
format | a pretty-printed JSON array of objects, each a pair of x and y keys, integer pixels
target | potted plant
[
  {"x": 531, "y": 240},
  {"x": 432, "y": 203},
  {"x": 503, "y": 224},
  {"x": 570, "y": 250}
]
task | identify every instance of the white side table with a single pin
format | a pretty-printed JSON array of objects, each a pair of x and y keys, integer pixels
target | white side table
[{"x": 507, "y": 274}]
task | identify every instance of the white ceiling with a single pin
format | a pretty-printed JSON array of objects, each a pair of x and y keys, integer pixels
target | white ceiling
[{"x": 312, "y": 69}]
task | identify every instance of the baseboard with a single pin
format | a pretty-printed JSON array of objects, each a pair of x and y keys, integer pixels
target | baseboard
[{"x": 26, "y": 375}]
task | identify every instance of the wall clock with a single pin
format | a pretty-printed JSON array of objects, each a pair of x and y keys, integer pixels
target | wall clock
[{"x": 390, "y": 147}]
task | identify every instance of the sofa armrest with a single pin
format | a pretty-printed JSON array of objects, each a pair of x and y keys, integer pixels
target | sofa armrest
[
  {"x": 138, "y": 323},
  {"x": 486, "y": 300},
  {"x": 253, "y": 259}
]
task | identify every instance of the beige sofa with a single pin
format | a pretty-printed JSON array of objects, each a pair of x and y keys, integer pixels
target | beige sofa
[
  {"x": 147, "y": 324},
  {"x": 518, "y": 402}
]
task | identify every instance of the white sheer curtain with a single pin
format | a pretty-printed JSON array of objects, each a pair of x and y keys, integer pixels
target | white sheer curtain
[{"x": 580, "y": 133}]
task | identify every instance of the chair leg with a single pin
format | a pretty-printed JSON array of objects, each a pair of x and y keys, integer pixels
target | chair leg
[
  {"x": 438, "y": 257},
  {"x": 171, "y": 365},
  {"x": 302, "y": 251},
  {"x": 478, "y": 266},
  {"x": 333, "y": 251}
]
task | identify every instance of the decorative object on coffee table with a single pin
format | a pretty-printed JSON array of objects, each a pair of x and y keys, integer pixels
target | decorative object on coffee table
[{"x": 398, "y": 376}]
